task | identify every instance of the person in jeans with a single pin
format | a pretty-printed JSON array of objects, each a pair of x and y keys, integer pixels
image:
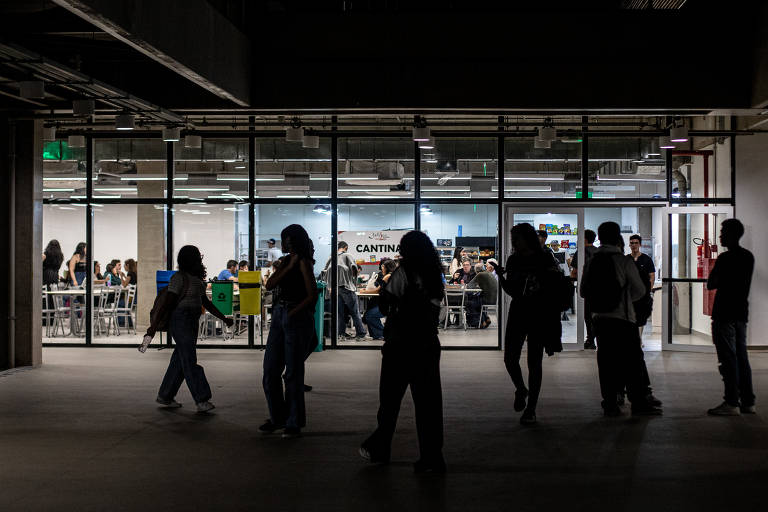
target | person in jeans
[
  {"x": 589, "y": 251},
  {"x": 291, "y": 334},
  {"x": 528, "y": 278},
  {"x": 373, "y": 314},
  {"x": 489, "y": 294},
  {"x": 411, "y": 354},
  {"x": 618, "y": 342},
  {"x": 347, "y": 286},
  {"x": 186, "y": 295},
  {"x": 732, "y": 277}
]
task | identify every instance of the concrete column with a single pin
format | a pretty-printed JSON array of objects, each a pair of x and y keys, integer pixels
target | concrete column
[
  {"x": 22, "y": 171},
  {"x": 150, "y": 239}
]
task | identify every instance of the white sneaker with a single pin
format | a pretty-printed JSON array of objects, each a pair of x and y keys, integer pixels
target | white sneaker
[
  {"x": 205, "y": 406},
  {"x": 168, "y": 404},
  {"x": 724, "y": 410}
]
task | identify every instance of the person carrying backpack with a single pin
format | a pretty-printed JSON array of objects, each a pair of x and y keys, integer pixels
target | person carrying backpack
[
  {"x": 611, "y": 284},
  {"x": 535, "y": 282}
]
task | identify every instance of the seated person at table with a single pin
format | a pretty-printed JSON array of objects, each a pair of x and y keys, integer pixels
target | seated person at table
[
  {"x": 373, "y": 316},
  {"x": 117, "y": 277},
  {"x": 465, "y": 274},
  {"x": 98, "y": 277},
  {"x": 243, "y": 265},
  {"x": 229, "y": 273},
  {"x": 489, "y": 295}
]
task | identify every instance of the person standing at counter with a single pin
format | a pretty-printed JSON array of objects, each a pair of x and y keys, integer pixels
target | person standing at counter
[
  {"x": 347, "y": 286},
  {"x": 291, "y": 335},
  {"x": 411, "y": 354}
]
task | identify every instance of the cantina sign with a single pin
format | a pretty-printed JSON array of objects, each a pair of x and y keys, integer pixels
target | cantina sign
[{"x": 371, "y": 246}]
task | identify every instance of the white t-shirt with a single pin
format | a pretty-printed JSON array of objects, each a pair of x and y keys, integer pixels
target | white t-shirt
[{"x": 274, "y": 254}]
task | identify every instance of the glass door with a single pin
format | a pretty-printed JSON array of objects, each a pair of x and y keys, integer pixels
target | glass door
[
  {"x": 692, "y": 236},
  {"x": 562, "y": 227}
]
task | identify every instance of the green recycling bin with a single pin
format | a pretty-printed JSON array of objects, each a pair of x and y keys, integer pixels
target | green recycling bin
[{"x": 320, "y": 315}]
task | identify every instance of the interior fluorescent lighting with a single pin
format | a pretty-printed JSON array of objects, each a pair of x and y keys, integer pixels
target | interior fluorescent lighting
[
  {"x": 208, "y": 188},
  {"x": 171, "y": 134},
  {"x": 612, "y": 188},
  {"x": 114, "y": 196},
  {"x": 239, "y": 167},
  {"x": 358, "y": 177},
  {"x": 615, "y": 178},
  {"x": 427, "y": 144},
  {"x": 421, "y": 133},
  {"x": 652, "y": 154},
  {"x": 431, "y": 161},
  {"x": 114, "y": 189},
  {"x": 319, "y": 177},
  {"x": 665, "y": 143},
  {"x": 678, "y": 134},
  {"x": 291, "y": 196},
  {"x": 524, "y": 188},
  {"x": 65, "y": 178},
  {"x": 374, "y": 197},
  {"x": 447, "y": 188},
  {"x": 58, "y": 190},
  {"x": 153, "y": 177},
  {"x": 231, "y": 209},
  {"x": 358, "y": 189},
  {"x": 535, "y": 177},
  {"x": 201, "y": 213},
  {"x": 125, "y": 122}
]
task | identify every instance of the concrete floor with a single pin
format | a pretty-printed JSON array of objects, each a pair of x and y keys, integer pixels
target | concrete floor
[{"x": 82, "y": 433}]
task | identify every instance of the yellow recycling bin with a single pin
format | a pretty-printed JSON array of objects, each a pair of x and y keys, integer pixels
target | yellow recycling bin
[{"x": 250, "y": 292}]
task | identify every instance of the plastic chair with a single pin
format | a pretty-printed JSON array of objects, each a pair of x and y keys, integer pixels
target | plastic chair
[
  {"x": 126, "y": 311},
  {"x": 455, "y": 308}
]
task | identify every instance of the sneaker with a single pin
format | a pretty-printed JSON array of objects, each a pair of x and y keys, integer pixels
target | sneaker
[
  {"x": 646, "y": 410},
  {"x": 747, "y": 409},
  {"x": 205, "y": 406},
  {"x": 528, "y": 418},
  {"x": 370, "y": 456},
  {"x": 360, "y": 337},
  {"x": 270, "y": 428},
  {"x": 724, "y": 409},
  {"x": 589, "y": 345},
  {"x": 436, "y": 466},
  {"x": 520, "y": 396},
  {"x": 168, "y": 404},
  {"x": 291, "y": 432},
  {"x": 307, "y": 388}
]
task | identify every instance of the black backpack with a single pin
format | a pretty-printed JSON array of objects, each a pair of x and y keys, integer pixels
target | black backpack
[
  {"x": 602, "y": 290},
  {"x": 164, "y": 322}
]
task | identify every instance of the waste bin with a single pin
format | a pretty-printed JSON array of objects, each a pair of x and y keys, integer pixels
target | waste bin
[{"x": 320, "y": 314}]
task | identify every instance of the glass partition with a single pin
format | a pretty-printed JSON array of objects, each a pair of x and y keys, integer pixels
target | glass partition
[
  {"x": 129, "y": 168},
  {"x": 218, "y": 169},
  {"x": 459, "y": 168},
  {"x": 375, "y": 168},
  {"x": 702, "y": 172},
  {"x": 627, "y": 167},
  {"x": 542, "y": 172},
  {"x": 64, "y": 171}
]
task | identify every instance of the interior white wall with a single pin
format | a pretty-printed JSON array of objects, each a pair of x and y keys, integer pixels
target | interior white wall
[
  {"x": 114, "y": 233},
  {"x": 271, "y": 219},
  {"x": 213, "y": 233},
  {"x": 751, "y": 184},
  {"x": 65, "y": 224},
  {"x": 446, "y": 219}
]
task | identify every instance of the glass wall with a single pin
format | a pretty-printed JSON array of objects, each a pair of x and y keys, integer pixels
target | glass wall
[
  {"x": 458, "y": 206},
  {"x": 64, "y": 171},
  {"x": 542, "y": 172},
  {"x": 459, "y": 168},
  {"x": 221, "y": 234},
  {"x": 627, "y": 167},
  {"x": 375, "y": 168},
  {"x": 468, "y": 234}
]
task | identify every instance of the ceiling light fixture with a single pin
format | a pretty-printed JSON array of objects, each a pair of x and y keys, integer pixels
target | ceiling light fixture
[
  {"x": 427, "y": 144},
  {"x": 294, "y": 133},
  {"x": 83, "y": 107},
  {"x": 678, "y": 134},
  {"x": 547, "y": 132},
  {"x": 125, "y": 122},
  {"x": 76, "y": 141},
  {"x": 665, "y": 143},
  {"x": 172, "y": 134},
  {"x": 310, "y": 141},
  {"x": 421, "y": 132},
  {"x": 193, "y": 141}
]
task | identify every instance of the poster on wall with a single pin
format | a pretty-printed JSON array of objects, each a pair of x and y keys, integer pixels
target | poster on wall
[{"x": 371, "y": 246}]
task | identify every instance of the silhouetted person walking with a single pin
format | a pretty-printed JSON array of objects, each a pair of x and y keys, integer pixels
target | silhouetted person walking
[
  {"x": 529, "y": 278},
  {"x": 610, "y": 283},
  {"x": 411, "y": 354},
  {"x": 291, "y": 334},
  {"x": 185, "y": 298},
  {"x": 732, "y": 277}
]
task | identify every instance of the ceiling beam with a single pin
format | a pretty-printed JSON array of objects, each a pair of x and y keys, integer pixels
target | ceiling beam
[{"x": 188, "y": 36}]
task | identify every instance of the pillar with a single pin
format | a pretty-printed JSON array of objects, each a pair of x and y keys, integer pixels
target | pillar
[{"x": 150, "y": 240}]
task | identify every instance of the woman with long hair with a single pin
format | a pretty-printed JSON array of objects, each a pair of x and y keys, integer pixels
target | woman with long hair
[
  {"x": 131, "y": 270},
  {"x": 52, "y": 260},
  {"x": 458, "y": 255},
  {"x": 77, "y": 268},
  {"x": 411, "y": 354},
  {"x": 186, "y": 290},
  {"x": 291, "y": 334},
  {"x": 533, "y": 315}
]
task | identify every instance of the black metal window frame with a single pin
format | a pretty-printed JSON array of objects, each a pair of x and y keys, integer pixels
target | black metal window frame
[{"x": 169, "y": 201}]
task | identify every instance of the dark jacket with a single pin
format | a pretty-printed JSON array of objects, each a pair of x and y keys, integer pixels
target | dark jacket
[
  {"x": 412, "y": 316},
  {"x": 531, "y": 282}
]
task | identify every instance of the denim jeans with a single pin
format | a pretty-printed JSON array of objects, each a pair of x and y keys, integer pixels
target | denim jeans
[
  {"x": 730, "y": 339},
  {"x": 348, "y": 303},
  {"x": 373, "y": 318},
  {"x": 183, "y": 365},
  {"x": 288, "y": 344}
]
